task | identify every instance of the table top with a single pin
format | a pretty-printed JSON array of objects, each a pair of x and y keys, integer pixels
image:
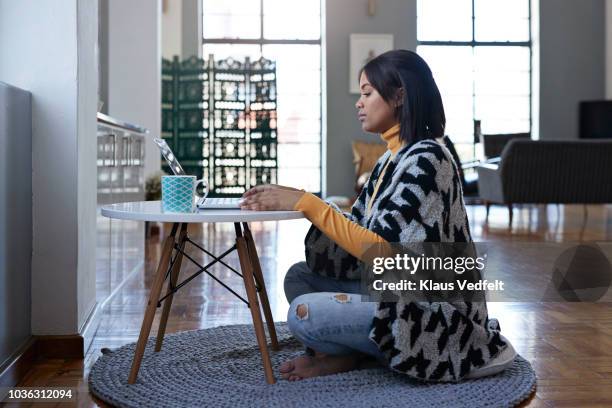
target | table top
[{"x": 152, "y": 211}]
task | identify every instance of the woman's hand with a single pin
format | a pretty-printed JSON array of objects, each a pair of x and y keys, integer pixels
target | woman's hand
[{"x": 270, "y": 197}]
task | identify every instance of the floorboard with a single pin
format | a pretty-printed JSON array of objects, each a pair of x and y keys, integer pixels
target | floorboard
[{"x": 569, "y": 344}]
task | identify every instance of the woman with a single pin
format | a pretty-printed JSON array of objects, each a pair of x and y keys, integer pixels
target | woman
[{"x": 413, "y": 195}]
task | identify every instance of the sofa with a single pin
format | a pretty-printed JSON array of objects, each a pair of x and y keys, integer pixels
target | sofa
[
  {"x": 493, "y": 145},
  {"x": 548, "y": 172}
]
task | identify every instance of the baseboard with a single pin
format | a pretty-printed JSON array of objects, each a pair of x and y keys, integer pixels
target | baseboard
[
  {"x": 70, "y": 345},
  {"x": 66, "y": 346},
  {"x": 18, "y": 364},
  {"x": 90, "y": 327},
  {"x": 36, "y": 347}
]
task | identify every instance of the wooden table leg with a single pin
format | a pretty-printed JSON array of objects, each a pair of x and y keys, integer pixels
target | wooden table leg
[
  {"x": 174, "y": 274},
  {"x": 259, "y": 278},
  {"x": 152, "y": 304},
  {"x": 249, "y": 283}
]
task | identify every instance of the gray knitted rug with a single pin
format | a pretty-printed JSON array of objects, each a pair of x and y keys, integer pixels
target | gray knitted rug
[{"x": 221, "y": 367}]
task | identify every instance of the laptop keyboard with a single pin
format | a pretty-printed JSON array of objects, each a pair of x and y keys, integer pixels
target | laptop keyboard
[{"x": 220, "y": 202}]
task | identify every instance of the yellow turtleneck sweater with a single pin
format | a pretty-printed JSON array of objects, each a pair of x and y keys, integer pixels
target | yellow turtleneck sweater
[{"x": 348, "y": 234}]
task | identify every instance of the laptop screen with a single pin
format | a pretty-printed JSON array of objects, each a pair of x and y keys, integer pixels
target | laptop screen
[{"x": 171, "y": 159}]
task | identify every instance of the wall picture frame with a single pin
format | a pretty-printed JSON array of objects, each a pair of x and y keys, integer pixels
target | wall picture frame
[{"x": 364, "y": 47}]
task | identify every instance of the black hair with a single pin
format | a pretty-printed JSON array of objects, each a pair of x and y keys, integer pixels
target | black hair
[{"x": 421, "y": 114}]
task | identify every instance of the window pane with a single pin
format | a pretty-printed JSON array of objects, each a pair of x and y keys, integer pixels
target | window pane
[
  {"x": 502, "y": 88},
  {"x": 298, "y": 82},
  {"x": 452, "y": 68},
  {"x": 236, "y": 51},
  {"x": 299, "y": 155},
  {"x": 299, "y": 118},
  {"x": 292, "y": 19},
  {"x": 502, "y": 20},
  {"x": 444, "y": 20},
  {"x": 458, "y": 106},
  {"x": 295, "y": 128},
  {"x": 459, "y": 112},
  {"x": 502, "y": 107},
  {"x": 297, "y": 136},
  {"x": 501, "y": 9},
  {"x": 494, "y": 126},
  {"x": 502, "y": 83},
  {"x": 295, "y": 56},
  {"x": 503, "y": 30},
  {"x": 298, "y": 79},
  {"x": 306, "y": 178},
  {"x": 231, "y": 19},
  {"x": 465, "y": 151},
  {"x": 504, "y": 59},
  {"x": 502, "y": 71},
  {"x": 460, "y": 128},
  {"x": 302, "y": 105}
]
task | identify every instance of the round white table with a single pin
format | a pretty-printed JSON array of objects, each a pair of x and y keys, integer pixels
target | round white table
[
  {"x": 152, "y": 211},
  {"x": 173, "y": 251}
]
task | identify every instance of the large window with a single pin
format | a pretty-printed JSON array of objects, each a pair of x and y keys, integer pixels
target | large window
[
  {"x": 480, "y": 55},
  {"x": 288, "y": 32}
]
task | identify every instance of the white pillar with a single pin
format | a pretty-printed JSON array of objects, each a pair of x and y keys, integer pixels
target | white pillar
[
  {"x": 608, "y": 49},
  {"x": 48, "y": 48},
  {"x": 134, "y": 69}
]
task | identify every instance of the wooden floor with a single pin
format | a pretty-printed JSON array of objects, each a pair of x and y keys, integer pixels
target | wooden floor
[{"x": 568, "y": 344}]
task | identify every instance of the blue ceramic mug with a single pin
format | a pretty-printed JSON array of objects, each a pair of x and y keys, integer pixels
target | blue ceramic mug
[{"x": 179, "y": 192}]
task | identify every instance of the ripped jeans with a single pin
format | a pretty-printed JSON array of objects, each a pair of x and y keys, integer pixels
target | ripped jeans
[{"x": 332, "y": 319}]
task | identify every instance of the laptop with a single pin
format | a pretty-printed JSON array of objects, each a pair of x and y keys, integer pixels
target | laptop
[{"x": 204, "y": 202}]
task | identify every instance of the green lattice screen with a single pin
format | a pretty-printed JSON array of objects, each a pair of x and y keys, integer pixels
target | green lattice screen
[{"x": 219, "y": 118}]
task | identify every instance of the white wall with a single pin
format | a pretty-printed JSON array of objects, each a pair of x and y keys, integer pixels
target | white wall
[
  {"x": 192, "y": 28},
  {"x": 572, "y": 63},
  {"x": 47, "y": 47},
  {"x": 134, "y": 68},
  {"x": 397, "y": 17},
  {"x": 171, "y": 28}
]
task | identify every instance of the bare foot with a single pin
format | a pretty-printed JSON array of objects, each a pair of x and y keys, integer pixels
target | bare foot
[{"x": 321, "y": 364}]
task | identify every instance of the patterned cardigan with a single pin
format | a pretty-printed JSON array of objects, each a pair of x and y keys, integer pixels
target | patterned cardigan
[{"x": 419, "y": 200}]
